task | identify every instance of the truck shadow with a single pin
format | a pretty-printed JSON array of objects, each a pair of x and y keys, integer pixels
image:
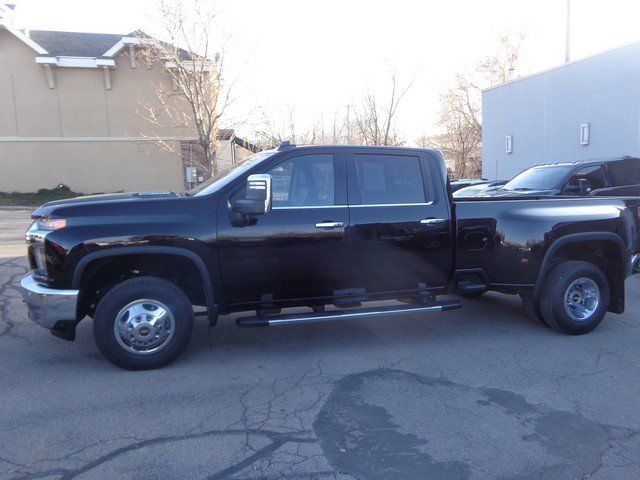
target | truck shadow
[{"x": 493, "y": 314}]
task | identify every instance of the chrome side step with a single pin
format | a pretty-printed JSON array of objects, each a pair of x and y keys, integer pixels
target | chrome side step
[{"x": 289, "y": 319}]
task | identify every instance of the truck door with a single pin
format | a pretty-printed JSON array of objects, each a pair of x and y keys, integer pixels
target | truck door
[
  {"x": 298, "y": 250},
  {"x": 400, "y": 224}
]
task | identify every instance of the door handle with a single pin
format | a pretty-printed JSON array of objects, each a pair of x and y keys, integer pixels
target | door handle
[
  {"x": 432, "y": 221},
  {"x": 329, "y": 225}
]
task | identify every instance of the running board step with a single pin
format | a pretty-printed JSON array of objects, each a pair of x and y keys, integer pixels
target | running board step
[
  {"x": 470, "y": 287},
  {"x": 288, "y": 319}
]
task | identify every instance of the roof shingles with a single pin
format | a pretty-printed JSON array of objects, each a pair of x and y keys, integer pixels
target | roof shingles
[{"x": 75, "y": 44}]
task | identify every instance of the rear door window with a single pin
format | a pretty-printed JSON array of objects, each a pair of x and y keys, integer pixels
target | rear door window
[
  {"x": 389, "y": 179},
  {"x": 626, "y": 172}
]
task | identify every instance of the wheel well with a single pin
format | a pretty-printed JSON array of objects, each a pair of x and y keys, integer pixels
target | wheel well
[
  {"x": 606, "y": 255},
  {"x": 102, "y": 274}
]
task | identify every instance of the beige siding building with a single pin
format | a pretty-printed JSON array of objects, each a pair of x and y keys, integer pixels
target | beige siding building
[{"x": 68, "y": 114}]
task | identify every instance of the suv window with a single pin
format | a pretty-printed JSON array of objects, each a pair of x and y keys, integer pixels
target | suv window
[
  {"x": 594, "y": 176},
  {"x": 624, "y": 173},
  {"x": 307, "y": 180},
  {"x": 389, "y": 179}
]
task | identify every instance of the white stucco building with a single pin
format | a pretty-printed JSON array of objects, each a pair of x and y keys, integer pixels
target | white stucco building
[{"x": 583, "y": 109}]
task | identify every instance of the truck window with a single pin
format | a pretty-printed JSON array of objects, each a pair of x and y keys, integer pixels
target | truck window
[
  {"x": 307, "y": 180},
  {"x": 594, "y": 176},
  {"x": 624, "y": 173},
  {"x": 389, "y": 179}
]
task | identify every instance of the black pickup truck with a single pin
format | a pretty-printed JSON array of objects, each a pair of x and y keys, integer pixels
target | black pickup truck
[{"x": 322, "y": 227}]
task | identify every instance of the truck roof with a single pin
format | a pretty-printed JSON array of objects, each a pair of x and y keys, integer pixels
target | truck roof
[
  {"x": 286, "y": 145},
  {"x": 586, "y": 162}
]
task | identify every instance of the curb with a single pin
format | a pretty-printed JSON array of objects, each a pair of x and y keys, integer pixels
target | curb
[{"x": 18, "y": 207}]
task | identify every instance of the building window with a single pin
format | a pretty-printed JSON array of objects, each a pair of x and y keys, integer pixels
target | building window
[
  {"x": 508, "y": 144},
  {"x": 584, "y": 133}
]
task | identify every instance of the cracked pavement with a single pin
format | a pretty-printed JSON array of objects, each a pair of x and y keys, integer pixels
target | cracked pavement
[{"x": 477, "y": 393}]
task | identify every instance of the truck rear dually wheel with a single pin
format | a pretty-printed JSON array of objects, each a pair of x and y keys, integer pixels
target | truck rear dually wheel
[
  {"x": 531, "y": 306},
  {"x": 575, "y": 297},
  {"x": 143, "y": 323}
]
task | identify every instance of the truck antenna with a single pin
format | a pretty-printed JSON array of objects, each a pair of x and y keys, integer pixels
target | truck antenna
[{"x": 285, "y": 145}]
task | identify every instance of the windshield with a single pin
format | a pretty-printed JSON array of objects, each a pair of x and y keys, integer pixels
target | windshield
[
  {"x": 539, "y": 178},
  {"x": 228, "y": 175}
]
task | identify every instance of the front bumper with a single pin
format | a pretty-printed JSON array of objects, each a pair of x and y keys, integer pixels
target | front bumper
[{"x": 48, "y": 306}]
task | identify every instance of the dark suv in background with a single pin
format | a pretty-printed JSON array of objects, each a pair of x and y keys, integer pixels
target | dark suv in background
[{"x": 620, "y": 176}]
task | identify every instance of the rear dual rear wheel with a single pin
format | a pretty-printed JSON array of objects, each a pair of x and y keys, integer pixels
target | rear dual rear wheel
[{"x": 574, "y": 298}]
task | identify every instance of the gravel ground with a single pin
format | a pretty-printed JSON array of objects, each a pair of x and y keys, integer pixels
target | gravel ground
[{"x": 477, "y": 393}]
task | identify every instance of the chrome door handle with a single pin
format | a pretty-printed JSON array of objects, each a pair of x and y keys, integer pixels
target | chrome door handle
[
  {"x": 329, "y": 224},
  {"x": 432, "y": 221}
]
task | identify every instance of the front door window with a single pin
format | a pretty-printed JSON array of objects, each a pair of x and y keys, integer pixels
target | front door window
[{"x": 305, "y": 181}]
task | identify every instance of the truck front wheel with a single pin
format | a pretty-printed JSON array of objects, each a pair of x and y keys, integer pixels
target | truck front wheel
[
  {"x": 575, "y": 297},
  {"x": 143, "y": 323}
]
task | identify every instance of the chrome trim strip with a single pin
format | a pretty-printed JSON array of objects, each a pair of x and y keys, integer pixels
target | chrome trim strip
[
  {"x": 309, "y": 206},
  {"x": 33, "y": 234},
  {"x": 354, "y": 206},
  {"x": 390, "y": 204},
  {"x": 288, "y": 321},
  {"x": 46, "y": 305}
]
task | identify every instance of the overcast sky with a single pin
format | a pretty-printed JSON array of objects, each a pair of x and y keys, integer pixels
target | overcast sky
[{"x": 321, "y": 56}]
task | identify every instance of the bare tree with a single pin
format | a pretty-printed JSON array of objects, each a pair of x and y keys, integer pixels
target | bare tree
[
  {"x": 369, "y": 122},
  {"x": 460, "y": 116},
  {"x": 194, "y": 97},
  {"x": 375, "y": 123},
  {"x": 500, "y": 66},
  {"x": 276, "y": 130}
]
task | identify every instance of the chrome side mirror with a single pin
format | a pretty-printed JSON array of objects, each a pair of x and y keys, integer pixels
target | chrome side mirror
[{"x": 257, "y": 200}]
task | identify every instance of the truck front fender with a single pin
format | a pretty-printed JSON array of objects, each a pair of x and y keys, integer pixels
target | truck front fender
[{"x": 85, "y": 261}]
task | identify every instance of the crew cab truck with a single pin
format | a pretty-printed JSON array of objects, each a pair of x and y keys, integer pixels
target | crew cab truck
[{"x": 317, "y": 227}]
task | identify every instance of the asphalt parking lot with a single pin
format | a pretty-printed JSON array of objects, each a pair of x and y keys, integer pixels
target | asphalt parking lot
[{"x": 477, "y": 393}]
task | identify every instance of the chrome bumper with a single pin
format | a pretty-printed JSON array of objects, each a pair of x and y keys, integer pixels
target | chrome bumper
[{"x": 46, "y": 305}]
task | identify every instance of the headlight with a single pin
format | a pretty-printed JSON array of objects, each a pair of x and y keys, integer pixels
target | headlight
[{"x": 48, "y": 224}]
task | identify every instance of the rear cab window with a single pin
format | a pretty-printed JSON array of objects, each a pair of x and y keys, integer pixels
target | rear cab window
[
  {"x": 389, "y": 179},
  {"x": 624, "y": 173}
]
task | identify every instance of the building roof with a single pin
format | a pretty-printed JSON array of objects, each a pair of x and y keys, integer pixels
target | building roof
[
  {"x": 75, "y": 44},
  {"x": 563, "y": 65},
  {"x": 86, "y": 45}
]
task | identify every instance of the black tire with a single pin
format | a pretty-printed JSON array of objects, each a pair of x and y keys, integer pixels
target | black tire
[
  {"x": 531, "y": 308},
  {"x": 552, "y": 299},
  {"x": 474, "y": 294},
  {"x": 123, "y": 294}
]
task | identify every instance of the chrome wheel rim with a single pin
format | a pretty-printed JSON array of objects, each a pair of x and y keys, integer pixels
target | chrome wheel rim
[
  {"x": 582, "y": 299},
  {"x": 144, "y": 327}
]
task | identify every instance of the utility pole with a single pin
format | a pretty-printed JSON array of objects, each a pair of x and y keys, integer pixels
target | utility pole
[
  {"x": 567, "y": 47},
  {"x": 348, "y": 125}
]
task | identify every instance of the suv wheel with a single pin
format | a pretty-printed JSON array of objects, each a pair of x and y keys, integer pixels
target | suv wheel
[
  {"x": 575, "y": 297},
  {"x": 143, "y": 323}
]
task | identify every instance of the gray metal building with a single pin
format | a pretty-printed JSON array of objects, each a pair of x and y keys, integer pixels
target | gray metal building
[{"x": 583, "y": 109}]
